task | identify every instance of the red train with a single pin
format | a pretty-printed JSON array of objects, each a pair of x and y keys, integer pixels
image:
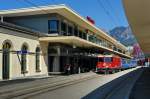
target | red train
[{"x": 108, "y": 63}]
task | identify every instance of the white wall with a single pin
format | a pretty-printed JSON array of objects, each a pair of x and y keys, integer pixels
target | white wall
[{"x": 17, "y": 40}]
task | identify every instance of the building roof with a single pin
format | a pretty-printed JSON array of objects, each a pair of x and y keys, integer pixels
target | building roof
[{"x": 64, "y": 11}]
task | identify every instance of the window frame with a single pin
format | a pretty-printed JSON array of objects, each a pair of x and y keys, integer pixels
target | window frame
[
  {"x": 37, "y": 59},
  {"x": 50, "y": 31}
]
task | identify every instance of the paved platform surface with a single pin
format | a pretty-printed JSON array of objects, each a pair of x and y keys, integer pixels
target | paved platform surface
[
  {"x": 141, "y": 89},
  {"x": 85, "y": 85},
  {"x": 13, "y": 88},
  {"x": 99, "y": 87}
]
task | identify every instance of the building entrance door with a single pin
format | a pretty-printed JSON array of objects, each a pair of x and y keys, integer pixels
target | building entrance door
[{"x": 50, "y": 63}]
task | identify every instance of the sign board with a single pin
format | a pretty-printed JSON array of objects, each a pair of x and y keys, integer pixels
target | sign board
[
  {"x": 90, "y": 20},
  {"x": 22, "y": 52}
]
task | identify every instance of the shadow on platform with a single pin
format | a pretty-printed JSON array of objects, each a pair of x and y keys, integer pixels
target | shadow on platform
[
  {"x": 141, "y": 89},
  {"x": 15, "y": 81},
  {"x": 103, "y": 91}
]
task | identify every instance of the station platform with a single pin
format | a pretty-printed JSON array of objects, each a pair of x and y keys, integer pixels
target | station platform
[{"x": 141, "y": 89}]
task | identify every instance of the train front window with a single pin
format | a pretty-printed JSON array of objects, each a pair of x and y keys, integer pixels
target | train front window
[
  {"x": 124, "y": 62},
  {"x": 108, "y": 59}
]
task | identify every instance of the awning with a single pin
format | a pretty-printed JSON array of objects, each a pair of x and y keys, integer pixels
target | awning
[{"x": 76, "y": 41}]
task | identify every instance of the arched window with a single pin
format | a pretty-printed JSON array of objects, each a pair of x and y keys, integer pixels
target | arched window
[
  {"x": 37, "y": 59},
  {"x": 6, "y": 60},
  {"x": 7, "y": 46},
  {"x": 24, "y": 59}
]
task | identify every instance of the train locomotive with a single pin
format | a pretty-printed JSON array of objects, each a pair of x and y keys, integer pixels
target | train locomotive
[{"x": 113, "y": 63}]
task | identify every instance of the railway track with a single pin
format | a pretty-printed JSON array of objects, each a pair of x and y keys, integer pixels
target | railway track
[
  {"x": 28, "y": 93},
  {"x": 114, "y": 91}
]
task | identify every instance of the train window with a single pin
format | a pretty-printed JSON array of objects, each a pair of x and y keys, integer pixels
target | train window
[
  {"x": 108, "y": 59},
  {"x": 124, "y": 61}
]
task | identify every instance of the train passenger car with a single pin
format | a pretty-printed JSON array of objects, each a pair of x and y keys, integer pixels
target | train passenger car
[
  {"x": 108, "y": 63},
  {"x": 125, "y": 63},
  {"x": 133, "y": 63}
]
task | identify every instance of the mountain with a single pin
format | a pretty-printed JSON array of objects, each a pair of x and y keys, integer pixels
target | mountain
[{"x": 124, "y": 35}]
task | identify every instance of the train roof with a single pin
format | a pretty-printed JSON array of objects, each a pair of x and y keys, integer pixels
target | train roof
[{"x": 108, "y": 56}]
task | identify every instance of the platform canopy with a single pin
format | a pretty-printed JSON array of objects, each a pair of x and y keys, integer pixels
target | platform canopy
[
  {"x": 138, "y": 14},
  {"x": 76, "y": 41}
]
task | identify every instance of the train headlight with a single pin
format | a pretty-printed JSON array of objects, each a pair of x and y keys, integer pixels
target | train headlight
[{"x": 104, "y": 64}]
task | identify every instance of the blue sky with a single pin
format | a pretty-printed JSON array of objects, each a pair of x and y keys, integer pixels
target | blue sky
[{"x": 106, "y": 13}]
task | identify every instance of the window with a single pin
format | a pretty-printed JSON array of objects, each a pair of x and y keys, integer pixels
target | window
[
  {"x": 108, "y": 59},
  {"x": 124, "y": 52},
  {"x": 100, "y": 59},
  {"x": 85, "y": 36},
  {"x": 70, "y": 30},
  {"x": 119, "y": 50},
  {"x": 6, "y": 46},
  {"x": 80, "y": 34},
  {"x": 63, "y": 28},
  {"x": 114, "y": 48},
  {"x": 124, "y": 61},
  {"x": 99, "y": 41},
  {"x": 92, "y": 38},
  {"x": 75, "y": 31},
  {"x": 37, "y": 59},
  {"x": 52, "y": 50},
  {"x": 6, "y": 60},
  {"x": 24, "y": 59},
  {"x": 53, "y": 26}
]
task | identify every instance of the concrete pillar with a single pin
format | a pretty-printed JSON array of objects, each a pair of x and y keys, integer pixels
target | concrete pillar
[
  {"x": 2, "y": 19},
  {"x": 59, "y": 27},
  {"x": 148, "y": 62},
  {"x": 56, "y": 64},
  {"x": 1, "y": 65},
  {"x": 72, "y": 31},
  {"x": 79, "y": 70},
  {"x": 78, "y": 31},
  {"x": 87, "y": 36},
  {"x": 67, "y": 28}
]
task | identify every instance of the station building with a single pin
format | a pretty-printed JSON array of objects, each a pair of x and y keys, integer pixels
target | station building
[{"x": 41, "y": 40}]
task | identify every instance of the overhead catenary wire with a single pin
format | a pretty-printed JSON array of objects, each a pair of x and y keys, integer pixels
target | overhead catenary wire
[
  {"x": 35, "y": 5},
  {"x": 99, "y": 2},
  {"x": 114, "y": 11},
  {"x": 107, "y": 12}
]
